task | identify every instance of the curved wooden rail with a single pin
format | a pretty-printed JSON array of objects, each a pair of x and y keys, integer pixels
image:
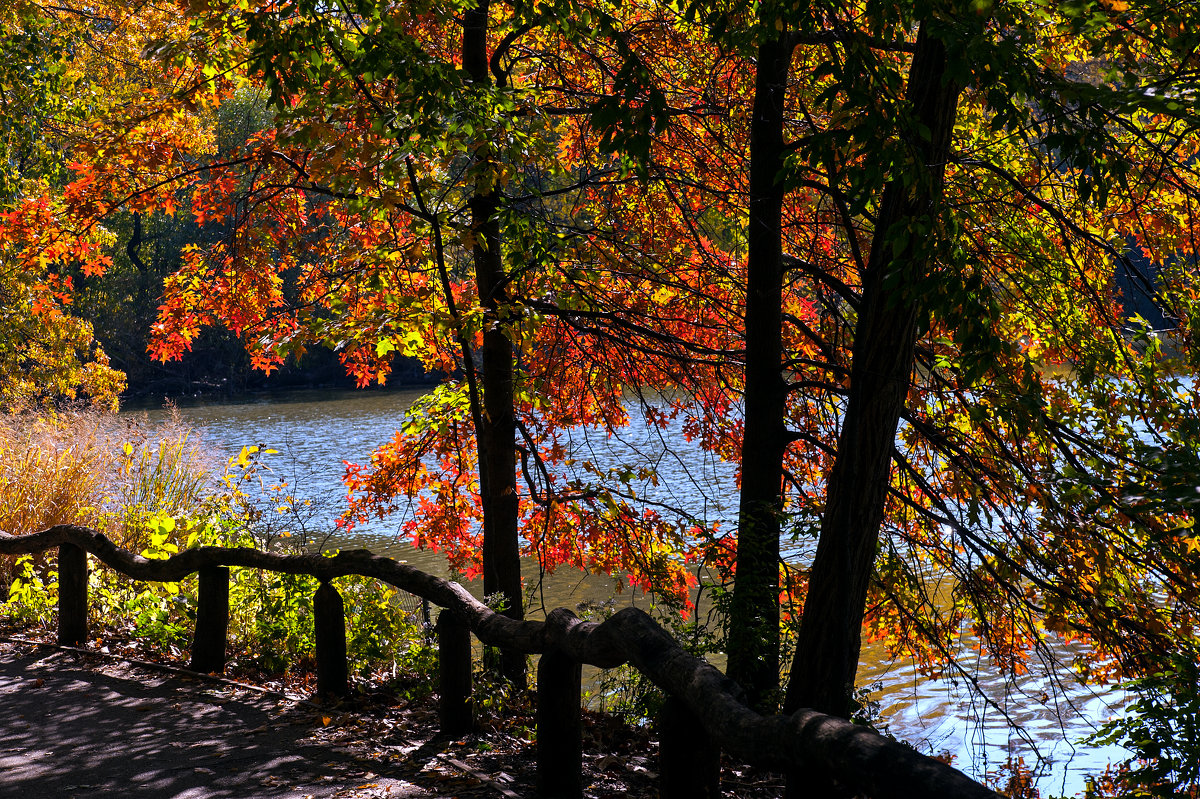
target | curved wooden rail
[{"x": 854, "y": 755}]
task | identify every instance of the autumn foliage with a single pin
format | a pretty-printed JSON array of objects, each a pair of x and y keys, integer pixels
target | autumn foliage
[{"x": 1041, "y": 471}]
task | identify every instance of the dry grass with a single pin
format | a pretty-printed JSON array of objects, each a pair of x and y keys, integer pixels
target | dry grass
[
  {"x": 97, "y": 470},
  {"x": 160, "y": 470},
  {"x": 52, "y": 471}
]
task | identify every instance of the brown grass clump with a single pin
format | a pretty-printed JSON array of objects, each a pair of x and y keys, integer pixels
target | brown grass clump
[{"x": 52, "y": 471}]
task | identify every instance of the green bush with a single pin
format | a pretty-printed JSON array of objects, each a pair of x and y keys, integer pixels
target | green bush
[
  {"x": 383, "y": 636},
  {"x": 32, "y": 601},
  {"x": 1161, "y": 726}
]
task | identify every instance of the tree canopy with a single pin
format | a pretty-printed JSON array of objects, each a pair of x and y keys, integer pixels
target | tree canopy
[{"x": 869, "y": 252}]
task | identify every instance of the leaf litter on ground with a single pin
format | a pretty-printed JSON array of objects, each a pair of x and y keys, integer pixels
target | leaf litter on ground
[{"x": 381, "y": 730}]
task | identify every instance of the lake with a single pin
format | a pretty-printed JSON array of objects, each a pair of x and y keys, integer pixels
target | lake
[{"x": 1040, "y": 717}]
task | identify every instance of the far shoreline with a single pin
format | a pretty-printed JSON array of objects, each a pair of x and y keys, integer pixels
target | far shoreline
[{"x": 153, "y": 401}]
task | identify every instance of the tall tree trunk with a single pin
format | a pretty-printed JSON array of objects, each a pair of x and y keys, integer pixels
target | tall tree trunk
[
  {"x": 496, "y": 437},
  {"x": 753, "y": 641},
  {"x": 889, "y": 323}
]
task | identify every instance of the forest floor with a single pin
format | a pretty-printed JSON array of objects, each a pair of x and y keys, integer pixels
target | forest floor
[{"x": 84, "y": 723}]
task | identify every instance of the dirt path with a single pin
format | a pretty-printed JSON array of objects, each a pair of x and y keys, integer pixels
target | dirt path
[{"x": 76, "y": 725}]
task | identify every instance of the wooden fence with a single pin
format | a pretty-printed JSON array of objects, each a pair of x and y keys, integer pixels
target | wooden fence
[{"x": 703, "y": 714}]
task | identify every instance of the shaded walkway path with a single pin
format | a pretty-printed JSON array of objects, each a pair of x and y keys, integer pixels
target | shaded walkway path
[{"x": 76, "y": 725}]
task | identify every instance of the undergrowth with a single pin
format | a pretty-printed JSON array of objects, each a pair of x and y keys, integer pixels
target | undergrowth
[{"x": 156, "y": 491}]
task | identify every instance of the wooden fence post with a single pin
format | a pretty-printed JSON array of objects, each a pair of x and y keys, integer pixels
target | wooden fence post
[
  {"x": 559, "y": 728},
  {"x": 329, "y": 628},
  {"x": 454, "y": 674},
  {"x": 689, "y": 761},
  {"x": 72, "y": 595},
  {"x": 212, "y": 620}
]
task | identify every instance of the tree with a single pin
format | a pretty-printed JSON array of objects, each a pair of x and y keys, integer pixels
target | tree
[
  {"x": 889, "y": 323},
  {"x": 61, "y": 69},
  {"x": 417, "y": 171},
  {"x": 884, "y": 266},
  {"x": 949, "y": 258}
]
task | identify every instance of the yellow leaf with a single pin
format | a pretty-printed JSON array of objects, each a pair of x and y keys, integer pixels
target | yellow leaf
[
  {"x": 662, "y": 295},
  {"x": 243, "y": 458}
]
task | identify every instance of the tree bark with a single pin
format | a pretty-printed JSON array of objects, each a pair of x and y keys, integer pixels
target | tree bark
[
  {"x": 497, "y": 437},
  {"x": 753, "y": 640},
  {"x": 889, "y": 323}
]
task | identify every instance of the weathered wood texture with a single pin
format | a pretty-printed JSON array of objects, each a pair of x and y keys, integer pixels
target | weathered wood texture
[
  {"x": 72, "y": 594},
  {"x": 454, "y": 675},
  {"x": 753, "y": 644},
  {"x": 689, "y": 763},
  {"x": 329, "y": 630},
  {"x": 857, "y": 757},
  {"x": 212, "y": 620},
  {"x": 559, "y": 728}
]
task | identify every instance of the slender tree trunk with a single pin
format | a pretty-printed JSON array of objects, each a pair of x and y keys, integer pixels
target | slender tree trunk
[
  {"x": 496, "y": 437},
  {"x": 889, "y": 323},
  {"x": 753, "y": 641}
]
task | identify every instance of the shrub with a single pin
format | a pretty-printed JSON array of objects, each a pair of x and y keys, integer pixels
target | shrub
[{"x": 167, "y": 477}]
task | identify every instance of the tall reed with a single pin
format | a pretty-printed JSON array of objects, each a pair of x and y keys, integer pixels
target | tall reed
[
  {"x": 52, "y": 471},
  {"x": 155, "y": 472}
]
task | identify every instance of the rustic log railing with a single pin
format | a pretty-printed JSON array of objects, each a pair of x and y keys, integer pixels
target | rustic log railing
[{"x": 704, "y": 713}]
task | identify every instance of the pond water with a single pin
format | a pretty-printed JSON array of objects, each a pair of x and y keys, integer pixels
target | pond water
[{"x": 1040, "y": 718}]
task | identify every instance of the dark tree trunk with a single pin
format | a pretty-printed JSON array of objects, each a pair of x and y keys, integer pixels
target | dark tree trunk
[
  {"x": 496, "y": 437},
  {"x": 889, "y": 323},
  {"x": 753, "y": 642}
]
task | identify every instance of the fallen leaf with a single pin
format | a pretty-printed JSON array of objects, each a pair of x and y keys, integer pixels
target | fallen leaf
[{"x": 609, "y": 763}]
